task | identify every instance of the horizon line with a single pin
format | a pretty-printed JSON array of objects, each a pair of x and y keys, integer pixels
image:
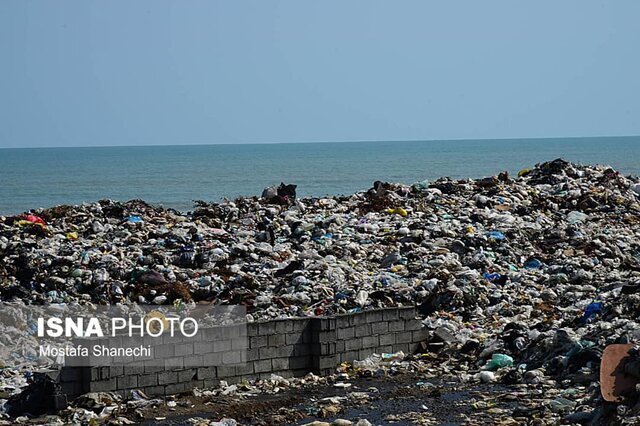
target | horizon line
[{"x": 325, "y": 142}]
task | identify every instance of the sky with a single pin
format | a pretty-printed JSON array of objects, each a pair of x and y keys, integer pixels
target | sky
[{"x": 122, "y": 72}]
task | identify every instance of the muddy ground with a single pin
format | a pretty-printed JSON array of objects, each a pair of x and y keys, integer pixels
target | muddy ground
[{"x": 400, "y": 400}]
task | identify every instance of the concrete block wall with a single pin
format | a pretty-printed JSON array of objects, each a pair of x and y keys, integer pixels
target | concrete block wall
[
  {"x": 288, "y": 347},
  {"x": 349, "y": 337}
]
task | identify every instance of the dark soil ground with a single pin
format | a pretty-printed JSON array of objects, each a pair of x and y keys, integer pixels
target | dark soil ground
[{"x": 401, "y": 400}]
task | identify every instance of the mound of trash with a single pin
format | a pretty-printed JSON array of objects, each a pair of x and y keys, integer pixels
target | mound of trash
[{"x": 518, "y": 279}]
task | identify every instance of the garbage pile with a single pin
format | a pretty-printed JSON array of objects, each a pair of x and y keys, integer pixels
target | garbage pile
[{"x": 519, "y": 278}]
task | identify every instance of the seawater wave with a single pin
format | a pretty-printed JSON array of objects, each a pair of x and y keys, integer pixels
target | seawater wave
[{"x": 176, "y": 175}]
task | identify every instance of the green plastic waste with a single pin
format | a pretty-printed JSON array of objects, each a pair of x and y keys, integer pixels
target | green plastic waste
[{"x": 499, "y": 361}]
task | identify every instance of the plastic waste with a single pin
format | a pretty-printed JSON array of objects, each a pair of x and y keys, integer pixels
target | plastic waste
[
  {"x": 495, "y": 235},
  {"x": 593, "y": 309},
  {"x": 574, "y": 217},
  {"x": 498, "y": 361},
  {"x": 399, "y": 211},
  {"x": 533, "y": 264}
]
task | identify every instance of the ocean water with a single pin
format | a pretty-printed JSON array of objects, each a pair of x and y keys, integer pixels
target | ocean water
[{"x": 174, "y": 176}]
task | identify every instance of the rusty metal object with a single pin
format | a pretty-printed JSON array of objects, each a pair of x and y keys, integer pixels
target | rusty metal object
[{"x": 614, "y": 382}]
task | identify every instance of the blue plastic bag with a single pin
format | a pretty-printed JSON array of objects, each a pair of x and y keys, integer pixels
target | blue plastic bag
[
  {"x": 592, "y": 309},
  {"x": 533, "y": 264},
  {"x": 495, "y": 235}
]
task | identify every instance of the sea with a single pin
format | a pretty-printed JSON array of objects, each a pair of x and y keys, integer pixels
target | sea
[{"x": 174, "y": 176}]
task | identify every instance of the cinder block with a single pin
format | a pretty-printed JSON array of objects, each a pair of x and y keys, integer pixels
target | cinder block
[
  {"x": 284, "y": 326},
  {"x": 253, "y": 354},
  {"x": 187, "y": 375},
  {"x": 340, "y": 345},
  {"x": 244, "y": 369},
  {"x": 262, "y": 366},
  {"x": 258, "y": 341},
  {"x": 234, "y": 331},
  {"x": 206, "y": 373},
  {"x": 363, "y": 330},
  {"x": 412, "y": 325},
  {"x": 96, "y": 374},
  {"x": 232, "y": 357},
  {"x": 374, "y": 316},
  {"x": 175, "y": 388},
  {"x": 167, "y": 377},
  {"x": 293, "y": 338},
  {"x": 300, "y": 324},
  {"x": 390, "y": 314},
  {"x": 164, "y": 351},
  {"x": 266, "y": 353},
  {"x": 396, "y": 325},
  {"x": 212, "y": 359},
  {"x": 277, "y": 340},
  {"x": 284, "y": 351},
  {"x": 211, "y": 334},
  {"x": 173, "y": 363},
  {"x": 346, "y": 333},
  {"x": 299, "y": 363},
  {"x": 222, "y": 346},
  {"x": 154, "y": 390},
  {"x": 145, "y": 380},
  {"x": 327, "y": 336},
  {"x": 404, "y": 337},
  {"x": 342, "y": 321},
  {"x": 226, "y": 372},
  {"x": 118, "y": 370},
  {"x": 353, "y": 345},
  {"x": 419, "y": 335},
  {"x": 252, "y": 329},
  {"x": 380, "y": 327},
  {"x": 302, "y": 349},
  {"x": 327, "y": 324},
  {"x": 194, "y": 361},
  {"x": 387, "y": 338},
  {"x": 203, "y": 347},
  {"x": 328, "y": 362},
  {"x": 279, "y": 364},
  {"x": 133, "y": 369},
  {"x": 103, "y": 385},
  {"x": 184, "y": 349},
  {"x": 327, "y": 348},
  {"x": 105, "y": 373},
  {"x": 266, "y": 328},
  {"x": 168, "y": 339},
  {"x": 358, "y": 319},
  {"x": 241, "y": 343},
  {"x": 407, "y": 312},
  {"x": 153, "y": 367},
  {"x": 369, "y": 342}
]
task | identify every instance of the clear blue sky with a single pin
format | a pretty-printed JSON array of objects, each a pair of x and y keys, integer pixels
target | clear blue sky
[{"x": 120, "y": 72}]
